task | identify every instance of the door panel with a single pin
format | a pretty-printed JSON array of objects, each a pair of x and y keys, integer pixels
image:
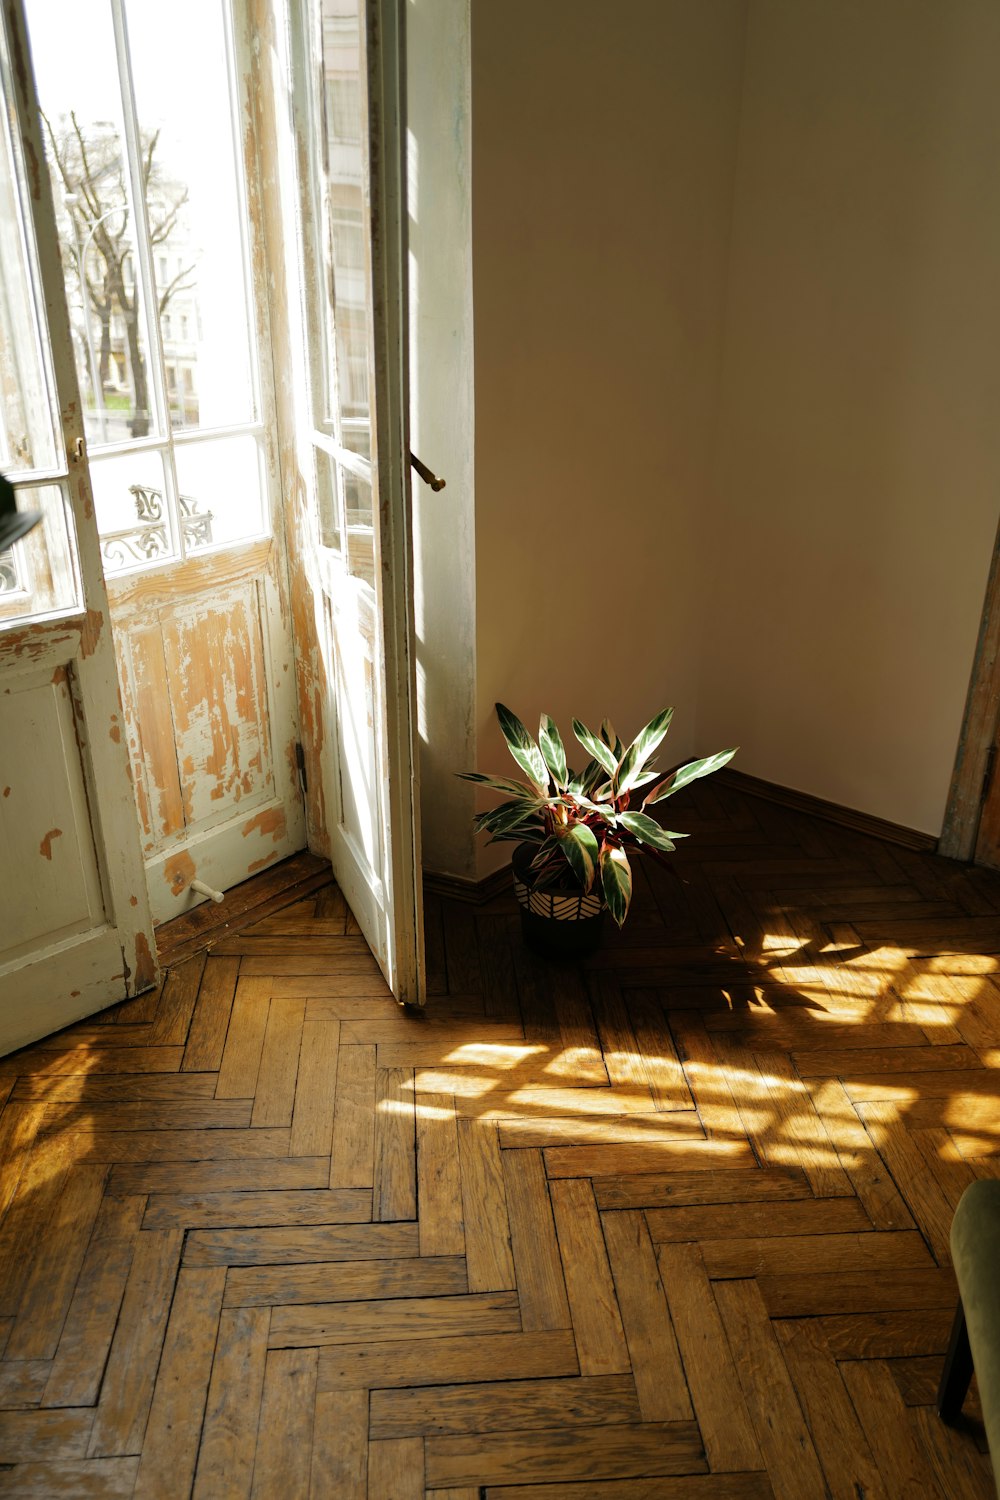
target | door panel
[
  {"x": 77, "y": 932},
  {"x": 57, "y": 893},
  {"x": 165, "y": 275},
  {"x": 352, "y": 636},
  {"x": 209, "y": 714},
  {"x": 351, "y": 442}
]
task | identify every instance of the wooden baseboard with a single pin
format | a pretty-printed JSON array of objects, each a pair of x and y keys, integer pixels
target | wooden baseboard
[
  {"x": 476, "y": 892},
  {"x": 831, "y": 812}
]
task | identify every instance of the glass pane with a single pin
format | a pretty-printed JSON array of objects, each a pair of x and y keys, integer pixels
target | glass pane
[
  {"x": 133, "y": 514},
  {"x": 73, "y": 51},
  {"x": 220, "y": 491},
  {"x": 38, "y": 574},
  {"x": 181, "y": 77},
  {"x": 343, "y": 494},
  {"x": 360, "y": 533},
  {"x": 328, "y": 497},
  {"x": 345, "y": 136},
  {"x": 27, "y": 438}
]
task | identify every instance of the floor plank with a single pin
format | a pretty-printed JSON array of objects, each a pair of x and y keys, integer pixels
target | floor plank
[
  {"x": 597, "y": 1324},
  {"x": 538, "y": 1269},
  {"x": 601, "y": 1453},
  {"x": 130, "y": 1374},
  {"x": 173, "y": 1433},
  {"x": 78, "y": 1366},
  {"x": 792, "y": 1464},
  {"x": 649, "y": 1333},
  {"x": 285, "y": 1435},
  {"x": 505, "y": 1405},
  {"x": 487, "y": 1229},
  {"x": 719, "y": 1404},
  {"x": 229, "y": 1439}
]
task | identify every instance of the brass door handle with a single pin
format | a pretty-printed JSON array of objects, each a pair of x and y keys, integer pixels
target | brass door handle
[{"x": 426, "y": 474}]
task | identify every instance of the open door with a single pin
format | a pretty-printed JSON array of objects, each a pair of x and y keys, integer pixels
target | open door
[
  {"x": 156, "y": 199},
  {"x": 354, "y": 618},
  {"x": 75, "y": 927}
]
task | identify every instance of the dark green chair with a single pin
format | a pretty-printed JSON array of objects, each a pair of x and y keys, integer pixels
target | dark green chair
[{"x": 975, "y": 1335}]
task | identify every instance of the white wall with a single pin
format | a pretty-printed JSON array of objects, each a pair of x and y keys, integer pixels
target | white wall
[
  {"x": 603, "y": 158},
  {"x": 858, "y": 454}
]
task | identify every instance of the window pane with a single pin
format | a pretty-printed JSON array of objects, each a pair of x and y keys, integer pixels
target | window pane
[
  {"x": 181, "y": 78},
  {"x": 38, "y": 574},
  {"x": 360, "y": 533},
  {"x": 345, "y": 130},
  {"x": 328, "y": 497},
  {"x": 220, "y": 492},
  {"x": 345, "y": 499},
  {"x": 73, "y": 50},
  {"x": 133, "y": 513},
  {"x": 27, "y": 438}
]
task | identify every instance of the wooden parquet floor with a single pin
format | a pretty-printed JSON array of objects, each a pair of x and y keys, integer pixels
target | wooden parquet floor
[{"x": 671, "y": 1225}]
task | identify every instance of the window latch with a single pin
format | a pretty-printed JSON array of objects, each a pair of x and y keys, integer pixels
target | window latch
[{"x": 426, "y": 474}]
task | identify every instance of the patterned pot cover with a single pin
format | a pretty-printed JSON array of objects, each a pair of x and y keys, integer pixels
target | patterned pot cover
[{"x": 558, "y": 905}]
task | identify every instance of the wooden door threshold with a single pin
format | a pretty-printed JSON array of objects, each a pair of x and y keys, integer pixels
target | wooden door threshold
[{"x": 285, "y": 883}]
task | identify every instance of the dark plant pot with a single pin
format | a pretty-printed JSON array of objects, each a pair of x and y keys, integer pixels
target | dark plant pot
[{"x": 559, "y": 921}]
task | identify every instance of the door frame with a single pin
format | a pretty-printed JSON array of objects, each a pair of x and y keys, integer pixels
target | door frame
[
  {"x": 980, "y": 722},
  {"x": 116, "y": 959},
  {"x": 395, "y": 933},
  {"x": 391, "y": 322}
]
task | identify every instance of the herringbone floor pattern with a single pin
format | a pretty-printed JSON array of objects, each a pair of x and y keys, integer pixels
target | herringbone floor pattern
[{"x": 671, "y": 1224}]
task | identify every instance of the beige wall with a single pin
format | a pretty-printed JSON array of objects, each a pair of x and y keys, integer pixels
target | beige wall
[
  {"x": 737, "y": 370},
  {"x": 603, "y": 158},
  {"x": 858, "y": 454}
]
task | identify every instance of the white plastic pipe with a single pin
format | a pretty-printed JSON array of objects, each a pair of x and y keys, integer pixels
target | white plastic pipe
[{"x": 206, "y": 890}]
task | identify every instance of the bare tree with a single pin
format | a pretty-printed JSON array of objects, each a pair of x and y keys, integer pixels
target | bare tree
[{"x": 93, "y": 171}]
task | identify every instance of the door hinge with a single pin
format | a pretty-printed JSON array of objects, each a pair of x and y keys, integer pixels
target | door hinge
[
  {"x": 300, "y": 766},
  {"x": 991, "y": 760}
]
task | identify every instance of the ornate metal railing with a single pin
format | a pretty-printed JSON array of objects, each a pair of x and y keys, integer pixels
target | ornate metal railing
[
  {"x": 142, "y": 543},
  {"x": 151, "y": 538}
]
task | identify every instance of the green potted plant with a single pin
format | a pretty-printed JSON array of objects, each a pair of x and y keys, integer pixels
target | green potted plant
[{"x": 574, "y": 832}]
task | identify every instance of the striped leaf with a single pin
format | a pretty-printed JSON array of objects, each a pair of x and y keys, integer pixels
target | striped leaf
[
  {"x": 611, "y": 739},
  {"x": 594, "y": 776},
  {"x": 690, "y": 772},
  {"x": 655, "y": 788},
  {"x": 548, "y": 865},
  {"x": 551, "y": 745},
  {"x": 503, "y": 820},
  {"x": 498, "y": 784},
  {"x": 646, "y": 830},
  {"x": 595, "y": 747},
  {"x": 523, "y": 748},
  {"x": 581, "y": 849},
  {"x": 641, "y": 748},
  {"x": 528, "y": 833},
  {"x": 616, "y": 881}
]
